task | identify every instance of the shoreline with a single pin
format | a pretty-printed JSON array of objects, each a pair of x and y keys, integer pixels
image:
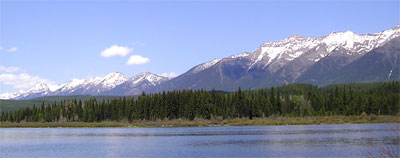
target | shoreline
[{"x": 268, "y": 121}]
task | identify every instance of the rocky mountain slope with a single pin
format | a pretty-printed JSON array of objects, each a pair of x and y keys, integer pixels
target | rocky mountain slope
[{"x": 296, "y": 59}]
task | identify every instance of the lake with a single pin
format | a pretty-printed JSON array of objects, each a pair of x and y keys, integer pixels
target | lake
[{"x": 348, "y": 140}]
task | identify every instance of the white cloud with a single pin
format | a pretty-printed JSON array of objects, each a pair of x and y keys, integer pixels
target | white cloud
[
  {"x": 13, "y": 49},
  {"x": 9, "y": 69},
  {"x": 137, "y": 60},
  {"x": 116, "y": 50},
  {"x": 22, "y": 81},
  {"x": 169, "y": 75},
  {"x": 1, "y": 48}
]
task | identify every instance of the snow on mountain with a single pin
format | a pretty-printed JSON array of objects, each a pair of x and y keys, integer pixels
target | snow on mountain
[
  {"x": 71, "y": 85},
  {"x": 241, "y": 55},
  {"x": 40, "y": 89},
  {"x": 114, "y": 79},
  {"x": 137, "y": 84},
  {"x": 211, "y": 63},
  {"x": 359, "y": 43},
  {"x": 54, "y": 87},
  {"x": 89, "y": 86},
  {"x": 11, "y": 95},
  {"x": 206, "y": 65},
  {"x": 294, "y": 53},
  {"x": 150, "y": 77},
  {"x": 295, "y": 46},
  {"x": 109, "y": 81},
  {"x": 278, "y": 53},
  {"x": 345, "y": 40},
  {"x": 101, "y": 83},
  {"x": 93, "y": 85}
]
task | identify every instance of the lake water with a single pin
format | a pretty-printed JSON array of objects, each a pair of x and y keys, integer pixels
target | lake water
[{"x": 349, "y": 140}]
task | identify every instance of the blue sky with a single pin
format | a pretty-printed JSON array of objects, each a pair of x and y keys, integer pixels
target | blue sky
[{"x": 55, "y": 41}]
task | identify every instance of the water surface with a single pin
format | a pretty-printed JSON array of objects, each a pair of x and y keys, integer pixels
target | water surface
[{"x": 349, "y": 140}]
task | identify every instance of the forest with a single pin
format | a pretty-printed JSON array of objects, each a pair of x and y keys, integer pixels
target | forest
[{"x": 294, "y": 100}]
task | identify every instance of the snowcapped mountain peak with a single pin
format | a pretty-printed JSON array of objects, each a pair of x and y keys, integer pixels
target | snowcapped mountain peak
[
  {"x": 360, "y": 43},
  {"x": 38, "y": 90},
  {"x": 346, "y": 40},
  {"x": 12, "y": 95},
  {"x": 288, "y": 49},
  {"x": 272, "y": 51},
  {"x": 72, "y": 84},
  {"x": 143, "y": 75},
  {"x": 206, "y": 65},
  {"x": 43, "y": 87},
  {"x": 293, "y": 38},
  {"x": 109, "y": 81},
  {"x": 113, "y": 79},
  {"x": 346, "y": 35},
  {"x": 240, "y": 55},
  {"x": 341, "y": 33},
  {"x": 39, "y": 87},
  {"x": 155, "y": 79},
  {"x": 89, "y": 86},
  {"x": 150, "y": 77},
  {"x": 389, "y": 34}
]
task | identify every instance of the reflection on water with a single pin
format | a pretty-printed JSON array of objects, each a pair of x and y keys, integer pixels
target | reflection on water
[
  {"x": 249, "y": 141},
  {"x": 306, "y": 141}
]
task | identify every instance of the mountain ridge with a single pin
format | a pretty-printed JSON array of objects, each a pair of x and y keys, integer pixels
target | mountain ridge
[
  {"x": 280, "y": 62},
  {"x": 89, "y": 86},
  {"x": 295, "y": 59}
]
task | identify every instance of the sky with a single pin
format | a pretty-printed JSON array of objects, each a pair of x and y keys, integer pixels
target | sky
[{"x": 58, "y": 40}]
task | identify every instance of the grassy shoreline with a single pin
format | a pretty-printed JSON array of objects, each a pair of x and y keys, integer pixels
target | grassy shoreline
[{"x": 214, "y": 122}]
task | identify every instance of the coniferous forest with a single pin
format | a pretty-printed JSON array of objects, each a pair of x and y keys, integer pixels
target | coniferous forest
[{"x": 294, "y": 100}]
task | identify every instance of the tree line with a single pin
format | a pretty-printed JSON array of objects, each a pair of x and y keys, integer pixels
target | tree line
[{"x": 291, "y": 100}]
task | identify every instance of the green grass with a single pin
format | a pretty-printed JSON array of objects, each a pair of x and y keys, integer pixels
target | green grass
[{"x": 215, "y": 122}]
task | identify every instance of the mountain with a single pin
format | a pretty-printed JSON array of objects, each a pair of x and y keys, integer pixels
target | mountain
[
  {"x": 114, "y": 84},
  {"x": 216, "y": 74},
  {"x": 296, "y": 59},
  {"x": 381, "y": 64},
  {"x": 38, "y": 90},
  {"x": 137, "y": 84},
  {"x": 339, "y": 57},
  {"x": 92, "y": 86}
]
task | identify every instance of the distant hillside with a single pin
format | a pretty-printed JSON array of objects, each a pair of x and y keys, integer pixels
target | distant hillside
[
  {"x": 10, "y": 105},
  {"x": 295, "y": 100}
]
